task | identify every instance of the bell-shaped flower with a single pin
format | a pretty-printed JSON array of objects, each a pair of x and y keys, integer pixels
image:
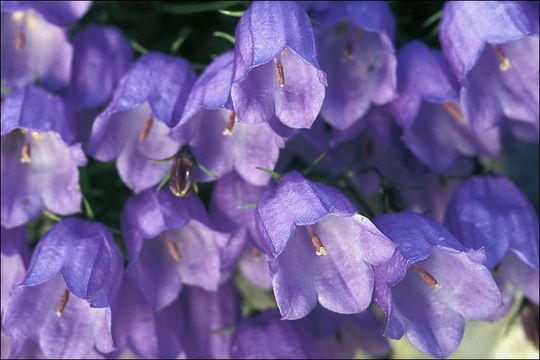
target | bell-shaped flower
[
  {"x": 357, "y": 53},
  {"x": 430, "y": 112},
  {"x": 39, "y": 164},
  {"x": 265, "y": 336},
  {"x": 232, "y": 209},
  {"x": 341, "y": 336},
  {"x": 59, "y": 13},
  {"x": 277, "y": 77},
  {"x": 171, "y": 242},
  {"x": 493, "y": 48},
  {"x": 320, "y": 248},
  {"x": 64, "y": 301},
  {"x": 490, "y": 212},
  {"x": 210, "y": 317},
  {"x": 138, "y": 327},
  {"x": 215, "y": 136},
  {"x": 134, "y": 127},
  {"x": 431, "y": 284}
]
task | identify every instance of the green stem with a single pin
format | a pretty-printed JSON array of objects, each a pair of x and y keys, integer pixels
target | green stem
[{"x": 198, "y": 8}]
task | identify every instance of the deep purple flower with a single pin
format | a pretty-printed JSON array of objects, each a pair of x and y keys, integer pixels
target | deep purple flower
[
  {"x": 490, "y": 212},
  {"x": 265, "y": 336},
  {"x": 209, "y": 319},
  {"x": 60, "y": 13},
  {"x": 276, "y": 73},
  {"x": 170, "y": 242},
  {"x": 64, "y": 301},
  {"x": 431, "y": 284},
  {"x": 232, "y": 210},
  {"x": 492, "y": 47},
  {"x": 341, "y": 336},
  {"x": 33, "y": 50},
  {"x": 216, "y": 138},
  {"x": 356, "y": 49},
  {"x": 430, "y": 112},
  {"x": 146, "y": 332},
  {"x": 320, "y": 249},
  {"x": 134, "y": 127},
  {"x": 39, "y": 164}
]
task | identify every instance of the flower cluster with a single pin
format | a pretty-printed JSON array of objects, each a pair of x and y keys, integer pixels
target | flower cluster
[{"x": 348, "y": 183}]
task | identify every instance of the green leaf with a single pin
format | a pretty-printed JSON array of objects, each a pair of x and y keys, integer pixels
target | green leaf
[
  {"x": 232, "y": 13},
  {"x": 247, "y": 206},
  {"x": 51, "y": 216},
  {"x": 182, "y": 36},
  {"x": 432, "y": 19},
  {"x": 276, "y": 176},
  {"x": 225, "y": 36},
  {"x": 88, "y": 209},
  {"x": 314, "y": 164},
  {"x": 138, "y": 47},
  {"x": 181, "y": 9},
  {"x": 205, "y": 170}
]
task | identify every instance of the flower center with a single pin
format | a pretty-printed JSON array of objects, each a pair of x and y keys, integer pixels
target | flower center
[
  {"x": 504, "y": 62},
  {"x": 280, "y": 75},
  {"x": 173, "y": 250},
  {"x": 454, "y": 111},
  {"x": 427, "y": 277},
  {"x": 62, "y": 303},
  {"x": 317, "y": 243},
  {"x": 27, "y": 146},
  {"x": 230, "y": 124},
  {"x": 20, "y": 38},
  {"x": 147, "y": 127},
  {"x": 181, "y": 178}
]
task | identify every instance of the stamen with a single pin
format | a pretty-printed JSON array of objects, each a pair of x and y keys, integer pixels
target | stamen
[
  {"x": 454, "y": 111},
  {"x": 36, "y": 136},
  {"x": 181, "y": 179},
  {"x": 143, "y": 135},
  {"x": 63, "y": 302},
  {"x": 348, "y": 52},
  {"x": 173, "y": 250},
  {"x": 256, "y": 253},
  {"x": 505, "y": 64},
  {"x": 17, "y": 15},
  {"x": 280, "y": 76},
  {"x": 317, "y": 243},
  {"x": 20, "y": 40},
  {"x": 230, "y": 124},
  {"x": 25, "y": 153},
  {"x": 427, "y": 277}
]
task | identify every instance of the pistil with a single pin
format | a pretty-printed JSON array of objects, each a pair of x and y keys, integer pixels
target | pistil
[{"x": 62, "y": 303}]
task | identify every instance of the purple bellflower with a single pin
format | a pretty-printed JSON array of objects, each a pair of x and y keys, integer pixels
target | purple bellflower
[
  {"x": 492, "y": 47},
  {"x": 39, "y": 164},
  {"x": 431, "y": 284},
  {"x": 277, "y": 78},
  {"x": 430, "y": 112},
  {"x": 170, "y": 242},
  {"x": 320, "y": 248},
  {"x": 15, "y": 254},
  {"x": 216, "y": 139},
  {"x": 33, "y": 50},
  {"x": 356, "y": 49},
  {"x": 210, "y": 317},
  {"x": 134, "y": 127},
  {"x": 490, "y": 212},
  {"x": 265, "y": 336},
  {"x": 59, "y": 13},
  {"x": 141, "y": 329},
  {"x": 64, "y": 301},
  {"x": 232, "y": 211}
]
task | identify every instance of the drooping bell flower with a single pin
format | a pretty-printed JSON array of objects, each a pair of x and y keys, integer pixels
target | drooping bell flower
[
  {"x": 340, "y": 336},
  {"x": 215, "y": 136},
  {"x": 490, "y": 212},
  {"x": 33, "y": 50},
  {"x": 59, "y": 13},
  {"x": 134, "y": 127},
  {"x": 64, "y": 301},
  {"x": 431, "y": 285},
  {"x": 265, "y": 336},
  {"x": 321, "y": 250},
  {"x": 171, "y": 242},
  {"x": 277, "y": 77},
  {"x": 39, "y": 161},
  {"x": 492, "y": 47},
  {"x": 357, "y": 53},
  {"x": 209, "y": 318},
  {"x": 232, "y": 209},
  {"x": 429, "y": 110},
  {"x": 142, "y": 330}
]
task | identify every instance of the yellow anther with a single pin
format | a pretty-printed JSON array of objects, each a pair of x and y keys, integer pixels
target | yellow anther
[
  {"x": 454, "y": 111},
  {"x": 504, "y": 62},
  {"x": 62, "y": 303}
]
